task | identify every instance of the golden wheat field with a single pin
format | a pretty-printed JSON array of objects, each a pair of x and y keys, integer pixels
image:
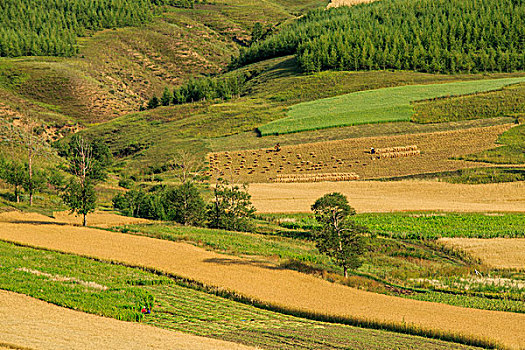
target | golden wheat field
[
  {"x": 98, "y": 218},
  {"x": 264, "y": 282},
  {"x": 52, "y": 327},
  {"x": 504, "y": 253},
  {"x": 394, "y": 156},
  {"x": 379, "y": 196}
]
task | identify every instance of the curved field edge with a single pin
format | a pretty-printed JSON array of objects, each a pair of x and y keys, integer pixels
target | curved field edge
[
  {"x": 234, "y": 270},
  {"x": 373, "y": 106},
  {"x": 398, "y": 327},
  {"x": 52, "y": 277}
]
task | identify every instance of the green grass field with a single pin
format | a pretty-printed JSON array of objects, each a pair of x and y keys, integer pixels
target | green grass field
[
  {"x": 373, "y": 106},
  {"x": 119, "y": 292}
]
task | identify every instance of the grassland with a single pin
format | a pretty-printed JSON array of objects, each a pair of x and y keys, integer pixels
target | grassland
[
  {"x": 257, "y": 281},
  {"x": 373, "y": 106},
  {"x": 62, "y": 279},
  {"x": 509, "y": 100}
]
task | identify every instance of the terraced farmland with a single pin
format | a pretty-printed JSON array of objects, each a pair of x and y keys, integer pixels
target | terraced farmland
[
  {"x": 284, "y": 289},
  {"x": 372, "y": 106},
  {"x": 395, "y": 156}
]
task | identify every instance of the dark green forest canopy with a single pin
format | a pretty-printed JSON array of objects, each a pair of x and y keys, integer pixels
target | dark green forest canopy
[
  {"x": 443, "y": 36},
  {"x": 50, "y": 27}
]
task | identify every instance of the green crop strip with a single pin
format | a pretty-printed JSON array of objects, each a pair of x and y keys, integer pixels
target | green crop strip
[{"x": 373, "y": 106}]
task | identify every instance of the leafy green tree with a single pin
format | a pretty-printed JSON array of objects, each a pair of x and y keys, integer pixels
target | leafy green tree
[
  {"x": 87, "y": 162},
  {"x": 34, "y": 181},
  {"x": 80, "y": 197},
  {"x": 231, "y": 208},
  {"x": 14, "y": 174},
  {"x": 338, "y": 237},
  {"x": 167, "y": 97},
  {"x": 185, "y": 205},
  {"x": 153, "y": 103}
]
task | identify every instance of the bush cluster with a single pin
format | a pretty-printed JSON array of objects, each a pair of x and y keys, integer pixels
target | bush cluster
[{"x": 230, "y": 209}]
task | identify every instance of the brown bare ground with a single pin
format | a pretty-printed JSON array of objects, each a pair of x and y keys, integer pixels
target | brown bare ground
[
  {"x": 31, "y": 323},
  {"x": 265, "y": 282},
  {"x": 406, "y": 195},
  {"x": 339, "y": 3},
  {"x": 433, "y": 153},
  {"x": 505, "y": 253}
]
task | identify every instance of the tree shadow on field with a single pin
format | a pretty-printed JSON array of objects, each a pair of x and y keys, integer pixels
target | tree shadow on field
[{"x": 227, "y": 261}]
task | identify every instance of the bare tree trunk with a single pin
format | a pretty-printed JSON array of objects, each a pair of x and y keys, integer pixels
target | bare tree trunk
[
  {"x": 345, "y": 271},
  {"x": 84, "y": 222}
]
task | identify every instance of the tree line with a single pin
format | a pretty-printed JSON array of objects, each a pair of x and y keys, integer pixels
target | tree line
[
  {"x": 437, "y": 36},
  {"x": 202, "y": 89},
  {"x": 51, "y": 27}
]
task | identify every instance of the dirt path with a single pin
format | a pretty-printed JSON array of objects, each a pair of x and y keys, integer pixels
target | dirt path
[
  {"x": 502, "y": 253},
  {"x": 34, "y": 324},
  {"x": 267, "y": 283},
  {"x": 376, "y": 196}
]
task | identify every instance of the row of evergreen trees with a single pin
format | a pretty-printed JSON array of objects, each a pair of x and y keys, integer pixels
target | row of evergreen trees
[
  {"x": 203, "y": 89},
  {"x": 424, "y": 35},
  {"x": 50, "y": 27}
]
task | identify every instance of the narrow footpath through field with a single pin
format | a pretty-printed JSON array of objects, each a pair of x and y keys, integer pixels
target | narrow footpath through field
[
  {"x": 378, "y": 196},
  {"x": 266, "y": 282},
  {"x": 29, "y": 323}
]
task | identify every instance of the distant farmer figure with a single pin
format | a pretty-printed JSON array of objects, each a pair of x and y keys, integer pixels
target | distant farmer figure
[
  {"x": 372, "y": 150},
  {"x": 277, "y": 147}
]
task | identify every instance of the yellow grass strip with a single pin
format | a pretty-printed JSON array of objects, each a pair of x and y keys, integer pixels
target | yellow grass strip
[
  {"x": 406, "y": 195},
  {"x": 99, "y": 219},
  {"x": 31, "y": 323},
  {"x": 279, "y": 288},
  {"x": 505, "y": 253}
]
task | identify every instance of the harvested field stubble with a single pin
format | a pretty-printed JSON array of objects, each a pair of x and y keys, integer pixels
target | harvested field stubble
[
  {"x": 279, "y": 288},
  {"x": 501, "y": 253},
  {"x": 406, "y": 195},
  {"x": 34, "y": 324},
  {"x": 98, "y": 218},
  {"x": 395, "y": 156}
]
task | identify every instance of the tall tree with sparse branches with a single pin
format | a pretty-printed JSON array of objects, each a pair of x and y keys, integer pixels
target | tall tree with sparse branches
[
  {"x": 28, "y": 135},
  {"x": 87, "y": 161}
]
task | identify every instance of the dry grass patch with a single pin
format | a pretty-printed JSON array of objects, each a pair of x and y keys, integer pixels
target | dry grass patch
[
  {"x": 398, "y": 155},
  {"x": 406, "y": 195},
  {"x": 30, "y": 323},
  {"x": 270, "y": 285},
  {"x": 503, "y": 253}
]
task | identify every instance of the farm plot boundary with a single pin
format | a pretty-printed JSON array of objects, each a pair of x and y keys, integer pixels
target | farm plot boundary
[
  {"x": 276, "y": 288},
  {"x": 373, "y": 106}
]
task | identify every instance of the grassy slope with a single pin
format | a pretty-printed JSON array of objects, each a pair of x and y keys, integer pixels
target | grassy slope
[
  {"x": 76, "y": 283},
  {"x": 278, "y": 85},
  {"x": 372, "y": 106}
]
